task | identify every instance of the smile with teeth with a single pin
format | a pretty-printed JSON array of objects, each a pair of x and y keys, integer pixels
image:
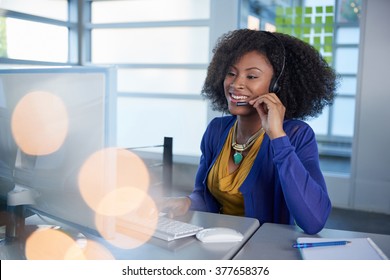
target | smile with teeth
[{"x": 239, "y": 97}]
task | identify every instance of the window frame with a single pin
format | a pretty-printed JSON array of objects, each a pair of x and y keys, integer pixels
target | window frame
[{"x": 71, "y": 24}]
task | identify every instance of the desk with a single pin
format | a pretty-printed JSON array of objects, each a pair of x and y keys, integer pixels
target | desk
[
  {"x": 273, "y": 242},
  {"x": 156, "y": 249}
]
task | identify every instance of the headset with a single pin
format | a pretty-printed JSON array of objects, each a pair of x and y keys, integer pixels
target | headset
[{"x": 274, "y": 86}]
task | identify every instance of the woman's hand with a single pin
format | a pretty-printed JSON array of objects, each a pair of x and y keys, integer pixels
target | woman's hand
[
  {"x": 175, "y": 206},
  {"x": 271, "y": 112}
]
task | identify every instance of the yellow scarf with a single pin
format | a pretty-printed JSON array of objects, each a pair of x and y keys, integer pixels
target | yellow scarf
[{"x": 225, "y": 186}]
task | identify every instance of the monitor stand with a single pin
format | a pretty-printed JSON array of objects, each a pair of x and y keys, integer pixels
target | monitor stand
[
  {"x": 16, "y": 201},
  {"x": 18, "y": 230},
  {"x": 20, "y": 225}
]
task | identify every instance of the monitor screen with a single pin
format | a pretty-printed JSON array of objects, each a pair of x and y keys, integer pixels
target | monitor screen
[{"x": 52, "y": 120}]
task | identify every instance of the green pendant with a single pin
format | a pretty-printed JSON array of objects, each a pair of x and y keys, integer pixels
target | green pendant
[{"x": 237, "y": 158}]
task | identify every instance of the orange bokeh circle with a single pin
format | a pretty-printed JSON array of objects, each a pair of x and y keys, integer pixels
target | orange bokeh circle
[
  {"x": 107, "y": 171},
  {"x": 51, "y": 244},
  {"x": 40, "y": 123},
  {"x": 125, "y": 231}
]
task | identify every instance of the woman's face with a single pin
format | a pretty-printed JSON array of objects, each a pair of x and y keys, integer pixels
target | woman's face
[{"x": 248, "y": 78}]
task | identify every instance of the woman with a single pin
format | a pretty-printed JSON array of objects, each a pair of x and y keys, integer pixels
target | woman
[{"x": 261, "y": 161}]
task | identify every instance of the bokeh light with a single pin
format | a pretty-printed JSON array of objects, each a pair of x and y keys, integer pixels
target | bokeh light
[
  {"x": 40, "y": 123},
  {"x": 129, "y": 232},
  {"x": 51, "y": 244},
  {"x": 121, "y": 201},
  {"x": 105, "y": 179},
  {"x": 114, "y": 183}
]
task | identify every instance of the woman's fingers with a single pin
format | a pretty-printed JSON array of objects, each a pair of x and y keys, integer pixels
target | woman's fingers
[
  {"x": 175, "y": 206},
  {"x": 271, "y": 111}
]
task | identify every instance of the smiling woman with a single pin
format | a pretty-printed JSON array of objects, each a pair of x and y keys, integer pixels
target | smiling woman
[{"x": 261, "y": 161}]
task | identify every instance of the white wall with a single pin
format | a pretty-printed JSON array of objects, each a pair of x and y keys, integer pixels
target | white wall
[
  {"x": 368, "y": 187},
  {"x": 371, "y": 158}
]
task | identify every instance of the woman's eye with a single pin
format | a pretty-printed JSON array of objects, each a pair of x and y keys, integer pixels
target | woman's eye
[
  {"x": 231, "y": 74},
  {"x": 252, "y": 77}
]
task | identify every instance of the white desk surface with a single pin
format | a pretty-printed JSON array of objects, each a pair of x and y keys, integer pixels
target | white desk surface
[
  {"x": 181, "y": 249},
  {"x": 274, "y": 242}
]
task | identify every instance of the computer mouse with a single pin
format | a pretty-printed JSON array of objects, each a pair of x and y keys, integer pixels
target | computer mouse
[{"x": 219, "y": 235}]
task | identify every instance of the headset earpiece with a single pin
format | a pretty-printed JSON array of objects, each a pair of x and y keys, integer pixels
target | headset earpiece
[{"x": 274, "y": 85}]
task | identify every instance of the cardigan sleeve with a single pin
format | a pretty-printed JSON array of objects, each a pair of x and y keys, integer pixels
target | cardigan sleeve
[
  {"x": 197, "y": 196},
  {"x": 303, "y": 185}
]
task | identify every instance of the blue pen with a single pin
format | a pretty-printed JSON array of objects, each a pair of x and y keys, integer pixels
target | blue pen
[{"x": 318, "y": 244}]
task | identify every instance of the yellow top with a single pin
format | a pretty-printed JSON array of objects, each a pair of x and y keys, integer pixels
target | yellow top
[{"x": 224, "y": 186}]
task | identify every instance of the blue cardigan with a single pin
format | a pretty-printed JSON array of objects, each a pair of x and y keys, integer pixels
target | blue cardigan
[{"x": 285, "y": 184}]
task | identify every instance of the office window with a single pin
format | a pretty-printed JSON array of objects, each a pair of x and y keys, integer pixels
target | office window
[
  {"x": 57, "y": 9},
  {"x": 343, "y": 117},
  {"x": 161, "y": 50},
  {"x": 157, "y": 10},
  {"x": 28, "y": 40},
  {"x": 150, "y": 45},
  {"x": 167, "y": 81},
  {"x": 343, "y": 55},
  {"x": 144, "y": 122},
  {"x": 332, "y": 27},
  {"x": 160, "y": 47},
  {"x": 348, "y": 35},
  {"x": 36, "y": 32},
  {"x": 348, "y": 86},
  {"x": 321, "y": 122}
]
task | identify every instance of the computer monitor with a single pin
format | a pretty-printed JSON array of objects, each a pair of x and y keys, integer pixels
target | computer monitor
[
  {"x": 7, "y": 158},
  {"x": 87, "y": 96}
]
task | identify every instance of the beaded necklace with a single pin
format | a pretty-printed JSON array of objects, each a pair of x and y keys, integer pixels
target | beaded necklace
[{"x": 239, "y": 148}]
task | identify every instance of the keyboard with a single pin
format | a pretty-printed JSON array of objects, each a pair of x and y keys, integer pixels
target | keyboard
[{"x": 167, "y": 229}]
